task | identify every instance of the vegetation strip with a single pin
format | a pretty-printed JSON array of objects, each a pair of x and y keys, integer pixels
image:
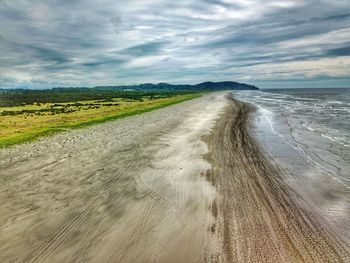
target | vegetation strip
[{"x": 28, "y": 122}]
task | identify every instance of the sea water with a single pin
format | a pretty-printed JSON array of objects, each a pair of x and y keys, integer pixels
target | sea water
[{"x": 306, "y": 130}]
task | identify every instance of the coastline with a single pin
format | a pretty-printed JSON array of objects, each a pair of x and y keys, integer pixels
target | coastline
[
  {"x": 260, "y": 217},
  {"x": 187, "y": 183}
]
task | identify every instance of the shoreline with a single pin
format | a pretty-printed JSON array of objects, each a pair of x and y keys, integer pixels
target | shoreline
[
  {"x": 187, "y": 183},
  {"x": 259, "y": 217}
]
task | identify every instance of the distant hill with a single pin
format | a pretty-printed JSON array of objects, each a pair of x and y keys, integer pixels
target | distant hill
[
  {"x": 204, "y": 86},
  {"x": 225, "y": 85},
  {"x": 19, "y": 97}
]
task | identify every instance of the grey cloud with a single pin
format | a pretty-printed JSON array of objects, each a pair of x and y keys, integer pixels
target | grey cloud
[
  {"x": 106, "y": 42},
  {"x": 150, "y": 48},
  {"x": 49, "y": 55},
  {"x": 101, "y": 61},
  {"x": 342, "y": 51}
]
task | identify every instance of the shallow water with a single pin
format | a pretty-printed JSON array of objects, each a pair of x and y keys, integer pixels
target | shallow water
[
  {"x": 306, "y": 132},
  {"x": 311, "y": 125}
]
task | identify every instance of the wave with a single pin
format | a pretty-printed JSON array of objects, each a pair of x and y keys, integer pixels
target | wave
[{"x": 316, "y": 125}]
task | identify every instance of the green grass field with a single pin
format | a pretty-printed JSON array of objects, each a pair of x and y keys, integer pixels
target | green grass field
[{"x": 28, "y": 122}]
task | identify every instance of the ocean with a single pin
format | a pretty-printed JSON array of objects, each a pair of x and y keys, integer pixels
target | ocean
[{"x": 307, "y": 131}]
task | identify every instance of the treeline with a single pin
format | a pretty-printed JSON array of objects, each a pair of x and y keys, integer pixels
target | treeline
[
  {"x": 10, "y": 98},
  {"x": 58, "y": 108},
  {"x": 20, "y": 97}
]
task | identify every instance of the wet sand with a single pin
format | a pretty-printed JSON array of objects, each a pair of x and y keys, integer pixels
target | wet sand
[
  {"x": 187, "y": 183},
  {"x": 259, "y": 217}
]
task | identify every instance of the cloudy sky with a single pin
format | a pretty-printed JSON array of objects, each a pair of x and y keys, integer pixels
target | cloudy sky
[{"x": 277, "y": 43}]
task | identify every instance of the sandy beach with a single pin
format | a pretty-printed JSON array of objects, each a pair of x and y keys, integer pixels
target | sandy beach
[
  {"x": 126, "y": 191},
  {"x": 186, "y": 183}
]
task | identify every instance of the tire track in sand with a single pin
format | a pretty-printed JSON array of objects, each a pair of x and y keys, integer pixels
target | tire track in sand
[
  {"x": 259, "y": 218},
  {"x": 52, "y": 244}
]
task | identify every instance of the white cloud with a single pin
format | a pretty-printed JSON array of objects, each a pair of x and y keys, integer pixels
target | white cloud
[
  {"x": 82, "y": 43},
  {"x": 146, "y": 61}
]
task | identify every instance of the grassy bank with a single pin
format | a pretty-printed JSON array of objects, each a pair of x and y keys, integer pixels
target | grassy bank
[{"x": 24, "y": 123}]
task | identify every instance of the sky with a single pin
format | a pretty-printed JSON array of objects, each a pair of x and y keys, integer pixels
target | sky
[{"x": 271, "y": 44}]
